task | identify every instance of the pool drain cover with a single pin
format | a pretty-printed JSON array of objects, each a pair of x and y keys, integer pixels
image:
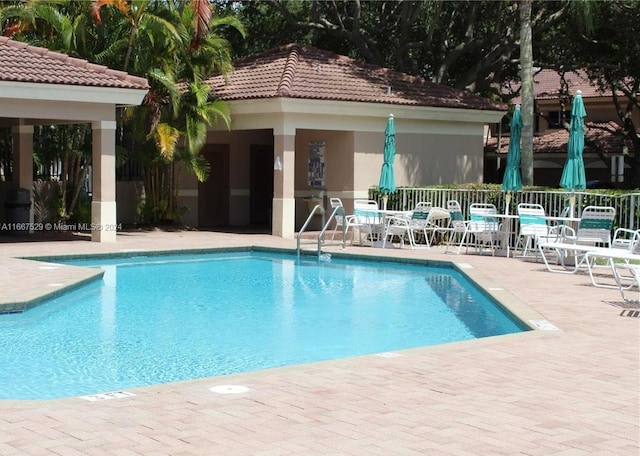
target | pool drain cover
[{"x": 229, "y": 389}]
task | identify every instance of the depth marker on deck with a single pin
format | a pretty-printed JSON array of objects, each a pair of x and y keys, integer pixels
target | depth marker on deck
[
  {"x": 229, "y": 389},
  {"x": 106, "y": 396},
  {"x": 544, "y": 325},
  {"x": 388, "y": 355}
]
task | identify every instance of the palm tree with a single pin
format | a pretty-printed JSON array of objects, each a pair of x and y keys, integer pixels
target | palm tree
[
  {"x": 176, "y": 46},
  {"x": 59, "y": 26},
  {"x": 526, "y": 76}
]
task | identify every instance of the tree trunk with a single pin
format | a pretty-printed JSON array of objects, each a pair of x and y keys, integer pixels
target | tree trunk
[{"x": 526, "y": 92}]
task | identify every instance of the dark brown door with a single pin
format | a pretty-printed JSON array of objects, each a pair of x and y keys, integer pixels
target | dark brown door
[
  {"x": 213, "y": 194},
  {"x": 261, "y": 185}
]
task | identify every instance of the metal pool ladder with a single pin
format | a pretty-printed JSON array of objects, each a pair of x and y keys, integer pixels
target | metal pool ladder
[{"x": 325, "y": 225}]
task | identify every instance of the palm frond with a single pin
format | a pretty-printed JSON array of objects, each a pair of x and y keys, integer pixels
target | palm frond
[
  {"x": 198, "y": 165},
  {"x": 166, "y": 138},
  {"x": 218, "y": 109},
  {"x": 196, "y": 134},
  {"x": 168, "y": 82},
  {"x": 229, "y": 21},
  {"x": 201, "y": 93},
  {"x": 113, "y": 51},
  {"x": 120, "y": 5},
  {"x": 203, "y": 12},
  {"x": 158, "y": 25}
]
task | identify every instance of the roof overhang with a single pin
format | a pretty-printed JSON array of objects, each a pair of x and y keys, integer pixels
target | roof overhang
[
  {"x": 17, "y": 90},
  {"x": 325, "y": 114}
]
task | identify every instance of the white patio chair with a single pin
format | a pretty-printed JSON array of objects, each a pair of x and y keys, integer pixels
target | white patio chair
[
  {"x": 482, "y": 226},
  {"x": 367, "y": 219},
  {"x": 533, "y": 226},
  {"x": 458, "y": 227},
  {"x": 627, "y": 278},
  {"x": 567, "y": 257},
  {"x": 340, "y": 220},
  {"x": 399, "y": 226},
  {"x": 424, "y": 206},
  {"x": 438, "y": 223},
  {"x": 420, "y": 221},
  {"x": 595, "y": 226},
  {"x": 479, "y": 230}
]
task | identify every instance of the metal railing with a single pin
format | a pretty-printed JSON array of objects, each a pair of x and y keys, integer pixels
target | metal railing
[
  {"x": 318, "y": 208},
  {"x": 338, "y": 211},
  {"x": 627, "y": 205}
]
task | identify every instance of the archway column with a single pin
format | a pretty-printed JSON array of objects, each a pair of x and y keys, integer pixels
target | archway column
[
  {"x": 103, "y": 203},
  {"x": 283, "y": 219}
]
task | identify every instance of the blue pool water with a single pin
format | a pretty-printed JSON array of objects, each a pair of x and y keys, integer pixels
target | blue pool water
[{"x": 158, "y": 319}]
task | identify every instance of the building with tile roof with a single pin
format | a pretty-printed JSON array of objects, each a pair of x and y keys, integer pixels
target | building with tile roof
[
  {"x": 309, "y": 123},
  {"x": 603, "y": 132},
  {"x": 40, "y": 87}
]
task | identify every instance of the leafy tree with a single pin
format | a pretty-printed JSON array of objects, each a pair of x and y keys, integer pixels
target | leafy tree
[
  {"x": 473, "y": 45},
  {"x": 176, "y": 45},
  {"x": 468, "y": 45},
  {"x": 59, "y": 26},
  {"x": 609, "y": 53},
  {"x": 604, "y": 42}
]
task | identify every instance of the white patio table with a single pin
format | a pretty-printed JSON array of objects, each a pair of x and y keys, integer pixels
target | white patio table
[{"x": 507, "y": 228}]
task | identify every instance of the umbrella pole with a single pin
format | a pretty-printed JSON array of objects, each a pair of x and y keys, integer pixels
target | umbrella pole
[
  {"x": 572, "y": 203},
  {"x": 507, "y": 203},
  {"x": 385, "y": 197}
]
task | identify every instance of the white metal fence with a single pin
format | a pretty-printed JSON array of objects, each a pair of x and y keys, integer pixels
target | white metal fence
[{"x": 627, "y": 205}]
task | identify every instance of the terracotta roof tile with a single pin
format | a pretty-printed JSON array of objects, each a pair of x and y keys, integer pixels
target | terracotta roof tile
[
  {"x": 24, "y": 63},
  {"x": 297, "y": 71},
  {"x": 546, "y": 85},
  {"x": 603, "y": 137}
]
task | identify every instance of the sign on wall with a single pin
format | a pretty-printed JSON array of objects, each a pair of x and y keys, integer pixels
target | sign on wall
[{"x": 316, "y": 164}]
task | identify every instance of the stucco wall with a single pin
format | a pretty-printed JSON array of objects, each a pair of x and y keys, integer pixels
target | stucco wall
[
  {"x": 339, "y": 175},
  {"x": 431, "y": 152},
  {"x": 420, "y": 159}
]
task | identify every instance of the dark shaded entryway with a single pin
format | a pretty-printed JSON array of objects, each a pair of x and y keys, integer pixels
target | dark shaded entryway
[{"x": 214, "y": 193}]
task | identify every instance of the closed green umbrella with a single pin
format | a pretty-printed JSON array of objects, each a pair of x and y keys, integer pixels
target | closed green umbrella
[
  {"x": 573, "y": 177},
  {"x": 387, "y": 180},
  {"x": 512, "y": 182}
]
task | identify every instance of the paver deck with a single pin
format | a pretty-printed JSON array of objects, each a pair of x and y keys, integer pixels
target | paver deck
[{"x": 571, "y": 391}]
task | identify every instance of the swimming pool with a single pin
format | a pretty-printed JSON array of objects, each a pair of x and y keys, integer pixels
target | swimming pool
[{"x": 161, "y": 319}]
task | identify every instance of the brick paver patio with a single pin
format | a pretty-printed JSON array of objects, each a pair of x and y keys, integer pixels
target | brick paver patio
[{"x": 571, "y": 391}]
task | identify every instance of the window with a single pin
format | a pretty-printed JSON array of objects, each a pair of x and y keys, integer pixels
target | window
[{"x": 555, "y": 121}]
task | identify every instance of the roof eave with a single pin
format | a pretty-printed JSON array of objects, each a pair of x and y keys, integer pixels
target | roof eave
[
  {"x": 118, "y": 96},
  {"x": 352, "y": 108}
]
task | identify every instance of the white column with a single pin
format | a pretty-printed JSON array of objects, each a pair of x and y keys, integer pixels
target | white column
[
  {"x": 103, "y": 203},
  {"x": 283, "y": 223}
]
